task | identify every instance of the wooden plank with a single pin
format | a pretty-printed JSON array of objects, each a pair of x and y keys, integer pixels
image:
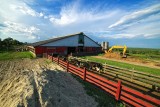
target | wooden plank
[
  {"x": 147, "y": 97},
  {"x": 102, "y": 83},
  {"x": 133, "y": 85},
  {"x": 130, "y": 102},
  {"x": 80, "y": 69},
  {"x": 135, "y": 99},
  {"x": 131, "y": 80},
  {"x": 76, "y": 73},
  {"x": 135, "y": 74},
  {"x": 106, "y": 89},
  {"x": 74, "y": 70},
  {"x": 134, "y": 80},
  {"x": 102, "y": 79},
  {"x": 64, "y": 63},
  {"x": 138, "y": 72}
]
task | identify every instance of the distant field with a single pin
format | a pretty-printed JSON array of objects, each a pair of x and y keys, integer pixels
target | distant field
[
  {"x": 125, "y": 65},
  {"x": 144, "y": 53},
  {"x": 15, "y": 55}
]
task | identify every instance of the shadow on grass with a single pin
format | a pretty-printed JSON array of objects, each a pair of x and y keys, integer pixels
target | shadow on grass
[{"x": 103, "y": 98}]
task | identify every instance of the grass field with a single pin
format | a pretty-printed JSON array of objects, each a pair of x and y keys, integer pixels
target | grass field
[
  {"x": 153, "y": 71},
  {"x": 142, "y": 53},
  {"x": 145, "y": 53},
  {"x": 15, "y": 55}
]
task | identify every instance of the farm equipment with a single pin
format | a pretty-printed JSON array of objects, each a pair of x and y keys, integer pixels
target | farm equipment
[{"x": 118, "y": 47}]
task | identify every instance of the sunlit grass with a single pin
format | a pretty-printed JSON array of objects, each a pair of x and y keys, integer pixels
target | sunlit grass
[
  {"x": 15, "y": 55},
  {"x": 125, "y": 65}
]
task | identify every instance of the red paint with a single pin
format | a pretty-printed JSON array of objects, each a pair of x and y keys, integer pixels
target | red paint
[
  {"x": 67, "y": 65},
  {"x": 118, "y": 90},
  {"x": 40, "y": 50},
  {"x": 92, "y": 49},
  {"x": 84, "y": 74},
  {"x": 62, "y": 50},
  {"x": 43, "y": 49},
  {"x": 135, "y": 99}
]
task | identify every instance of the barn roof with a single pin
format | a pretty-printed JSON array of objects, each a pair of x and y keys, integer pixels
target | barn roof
[{"x": 58, "y": 38}]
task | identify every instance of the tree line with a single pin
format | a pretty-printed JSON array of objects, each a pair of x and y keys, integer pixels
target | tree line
[{"x": 9, "y": 43}]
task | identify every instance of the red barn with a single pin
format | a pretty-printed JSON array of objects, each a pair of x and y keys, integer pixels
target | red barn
[{"x": 75, "y": 43}]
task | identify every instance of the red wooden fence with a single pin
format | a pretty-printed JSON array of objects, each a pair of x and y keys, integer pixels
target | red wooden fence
[{"x": 123, "y": 93}]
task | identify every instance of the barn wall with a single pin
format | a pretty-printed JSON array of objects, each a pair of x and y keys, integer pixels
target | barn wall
[
  {"x": 92, "y": 49},
  {"x": 43, "y": 49},
  {"x": 62, "y": 46},
  {"x": 40, "y": 50},
  {"x": 89, "y": 43}
]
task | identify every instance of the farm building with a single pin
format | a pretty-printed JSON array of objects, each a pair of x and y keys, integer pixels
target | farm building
[{"x": 75, "y": 44}]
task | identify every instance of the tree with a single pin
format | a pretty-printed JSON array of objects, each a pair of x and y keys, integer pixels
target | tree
[
  {"x": 8, "y": 42},
  {"x": 0, "y": 44}
]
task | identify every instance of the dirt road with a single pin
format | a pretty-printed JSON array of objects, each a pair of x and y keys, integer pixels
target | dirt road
[{"x": 39, "y": 83}]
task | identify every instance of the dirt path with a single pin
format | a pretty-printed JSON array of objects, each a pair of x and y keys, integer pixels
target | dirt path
[
  {"x": 129, "y": 62},
  {"x": 38, "y": 83}
]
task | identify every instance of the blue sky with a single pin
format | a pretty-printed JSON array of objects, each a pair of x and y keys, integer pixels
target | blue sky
[{"x": 135, "y": 23}]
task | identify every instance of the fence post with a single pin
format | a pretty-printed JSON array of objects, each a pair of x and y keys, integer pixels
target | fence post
[
  {"x": 118, "y": 90},
  {"x": 58, "y": 61},
  {"x": 67, "y": 66},
  {"x": 84, "y": 74},
  {"x": 52, "y": 58},
  {"x": 47, "y": 55}
]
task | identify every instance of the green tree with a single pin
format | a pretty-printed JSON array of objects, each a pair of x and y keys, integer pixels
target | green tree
[
  {"x": 8, "y": 43},
  {"x": 0, "y": 44}
]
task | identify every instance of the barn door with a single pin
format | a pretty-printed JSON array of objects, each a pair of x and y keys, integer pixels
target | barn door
[{"x": 80, "y": 48}]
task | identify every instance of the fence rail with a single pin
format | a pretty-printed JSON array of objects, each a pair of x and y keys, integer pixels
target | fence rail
[
  {"x": 140, "y": 78},
  {"x": 116, "y": 89}
]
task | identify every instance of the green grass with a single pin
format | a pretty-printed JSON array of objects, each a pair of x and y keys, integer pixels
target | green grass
[
  {"x": 153, "y": 71},
  {"x": 102, "y": 98},
  {"x": 146, "y": 56},
  {"x": 144, "y": 53},
  {"x": 47, "y": 61},
  {"x": 15, "y": 55}
]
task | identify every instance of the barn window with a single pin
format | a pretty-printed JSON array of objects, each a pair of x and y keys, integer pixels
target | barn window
[{"x": 81, "y": 39}]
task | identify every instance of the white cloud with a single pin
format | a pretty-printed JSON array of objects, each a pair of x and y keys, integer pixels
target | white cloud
[
  {"x": 121, "y": 35},
  {"x": 75, "y": 14},
  {"x": 26, "y": 10},
  {"x": 71, "y": 19},
  {"x": 19, "y": 20},
  {"x": 138, "y": 15},
  {"x": 41, "y": 14},
  {"x": 15, "y": 28}
]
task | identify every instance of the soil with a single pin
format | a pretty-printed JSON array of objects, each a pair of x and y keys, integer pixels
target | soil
[
  {"x": 133, "y": 61},
  {"x": 39, "y": 83}
]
